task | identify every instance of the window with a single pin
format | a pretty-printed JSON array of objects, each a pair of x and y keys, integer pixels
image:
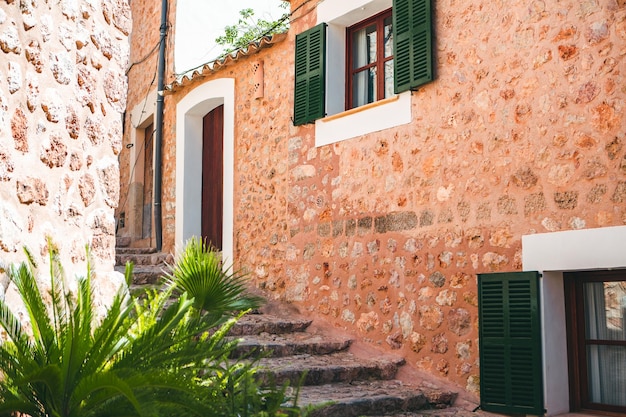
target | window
[
  {"x": 596, "y": 320},
  {"x": 370, "y": 58},
  {"x": 321, "y": 65}
]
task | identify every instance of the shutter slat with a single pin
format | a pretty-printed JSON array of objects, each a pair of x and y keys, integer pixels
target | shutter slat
[
  {"x": 310, "y": 80},
  {"x": 510, "y": 343}
]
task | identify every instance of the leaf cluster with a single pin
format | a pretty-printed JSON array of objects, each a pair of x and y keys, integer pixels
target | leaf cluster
[
  {"x": 249, "y": 29},
  {"x": 155, "y": 355},
  {"x": 216, "y": 289}
]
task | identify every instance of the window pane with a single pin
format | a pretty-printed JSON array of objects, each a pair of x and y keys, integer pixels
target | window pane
[
  {"x": 606, "y": 367},
  {"x": 388, "y": 38},
  {"x": 364, "y": 47},
  {"x": 389, "y": 78},
  {"x": 605, "y": 307},
  {"x": 364, "y": 87},
  {"x": 605, "y": 319}
]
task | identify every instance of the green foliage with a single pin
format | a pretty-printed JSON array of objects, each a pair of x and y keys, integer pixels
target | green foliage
[
  {"x": 150, "y": 356},
  {"x": 248, "y": 29},
  {"x": 245, "y": 398},
  {"x": 199, "y": 272}
]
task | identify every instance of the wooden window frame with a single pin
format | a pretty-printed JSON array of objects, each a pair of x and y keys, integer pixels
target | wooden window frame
[
  {"x": 575, "y": 327},
  {"x": 381, "y": 60}
]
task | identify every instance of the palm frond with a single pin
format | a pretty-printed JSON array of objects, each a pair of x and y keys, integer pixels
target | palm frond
[
  {"x": 100, "y": 388},
  {"x": 199, "y": 271},
  {"x": 9, "y": 408},
  {"x": 43, "y": 332},
  {"x": 160, "y": 393},
  {"x": 11, "y": 324},
  {"x": 110, "y": 336}
]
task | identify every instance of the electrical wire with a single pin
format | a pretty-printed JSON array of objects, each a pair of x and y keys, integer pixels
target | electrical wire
[{"x": 148, "y": 55}]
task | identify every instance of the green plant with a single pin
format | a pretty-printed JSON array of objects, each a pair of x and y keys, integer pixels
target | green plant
[
  {"x": 248, "y": 29},
  {"x": 151, "y": 356},
  {"x": 215, "y": 289},
  {"x": 249, "y": 399},
  {"x": 141, "y": 358}
]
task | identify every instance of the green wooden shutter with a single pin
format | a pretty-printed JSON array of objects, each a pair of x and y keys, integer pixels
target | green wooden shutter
[
  {"x": 309, "y": 100},
  {"x": 510, "y": 343},
  {"x": 413, "y": 55}
]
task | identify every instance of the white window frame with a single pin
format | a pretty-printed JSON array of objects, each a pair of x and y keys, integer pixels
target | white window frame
[{"x": 340, "y": 124}]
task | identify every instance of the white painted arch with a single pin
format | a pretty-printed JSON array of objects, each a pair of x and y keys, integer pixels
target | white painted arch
[{"x": 189, "y": 113}]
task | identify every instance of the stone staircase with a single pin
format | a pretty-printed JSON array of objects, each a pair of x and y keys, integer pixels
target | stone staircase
[
  {"x": 343, "y": 378},
  {"x": 148, "y": 264}
]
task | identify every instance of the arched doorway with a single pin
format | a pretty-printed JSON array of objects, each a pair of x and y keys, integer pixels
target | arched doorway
[{"x": 190, "y": 119}]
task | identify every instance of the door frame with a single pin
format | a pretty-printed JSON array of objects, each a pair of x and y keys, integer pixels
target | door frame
[{"x": 189, "y": 113}]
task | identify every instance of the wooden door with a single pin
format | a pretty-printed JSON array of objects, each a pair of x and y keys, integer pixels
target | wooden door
[{"x": 213, "y": 176}]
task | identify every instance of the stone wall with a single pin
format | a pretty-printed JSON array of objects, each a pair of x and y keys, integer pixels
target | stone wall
[
  {"x": 383, "y": 235},
  {"x": 521, "y": 132},
  {"x": 62, "y": 95}
]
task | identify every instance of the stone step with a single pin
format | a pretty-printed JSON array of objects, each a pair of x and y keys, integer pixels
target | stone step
[
  {"x": 327, "y": 369},
  {"x": 143, "y": 258},
  {"x": 254, "y": 324},
  {"x": 128, "y": 250},
  {"x": 289, "y": 344},
  {"x": 336, "y": 382},
  {"x": 122, "y": 242},
  {"x": 366, "y": 398},
  {"x": 145, "y": 274}
]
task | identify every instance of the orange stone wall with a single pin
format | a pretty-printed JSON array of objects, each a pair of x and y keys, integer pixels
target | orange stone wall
[
  {"x": 521, "y": 132},
  {"x": 142, "y": 86}
]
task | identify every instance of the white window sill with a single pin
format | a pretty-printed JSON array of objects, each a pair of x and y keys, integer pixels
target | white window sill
[{"x": 374, "y": 117}]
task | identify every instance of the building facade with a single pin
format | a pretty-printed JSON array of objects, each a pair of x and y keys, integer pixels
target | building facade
[
  {"x": 62, "y": 96},
  {"x": 378, "y": 205}
]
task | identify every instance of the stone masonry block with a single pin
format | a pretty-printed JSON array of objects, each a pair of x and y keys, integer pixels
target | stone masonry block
[
  {"x": 380, "y": 224},
  {"x": 323, "y": 229},
  {"x": 619, "y": 196},
  {"x": 365, "y": 225},
  {"x": 401, "y": 221},
  {"x": 596, "y": 193},
  {"x": 337, "y": 228},
  {"x": 567, "y": 200},
  {"x": 32, "y": 190},
  {"x": 534, "y": 203}
]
